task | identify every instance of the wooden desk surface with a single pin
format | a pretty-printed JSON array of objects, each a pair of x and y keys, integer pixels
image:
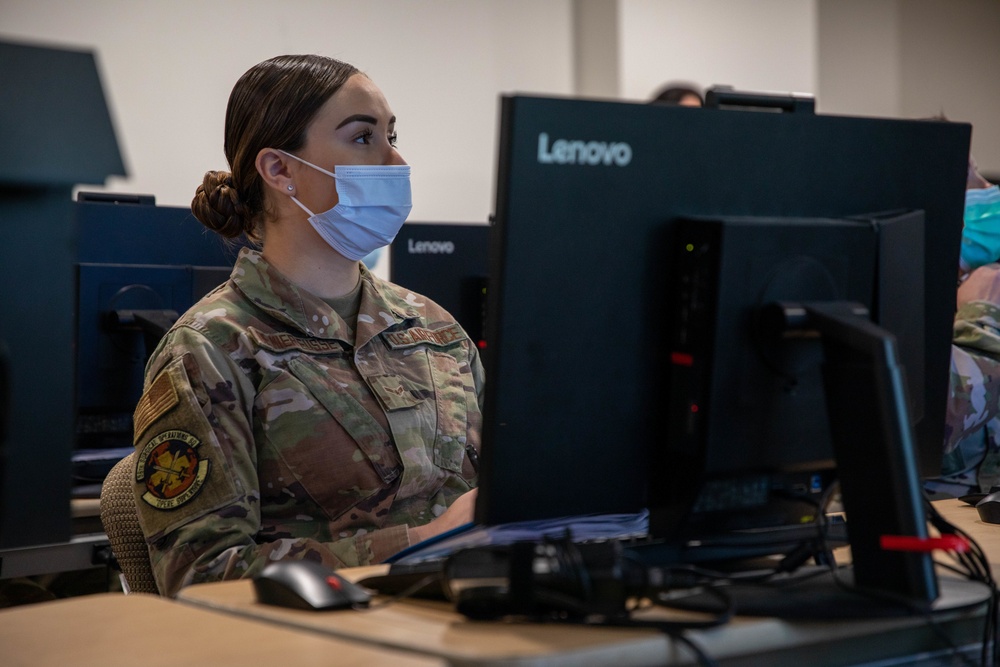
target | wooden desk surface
[
  {"x": 966, "y": 517},
  {"x": 111, "y": 630},
  {"x": 222, "y": 624},
  {"x": 85, "y": 507},
  {"x": 435, "y": 628}
]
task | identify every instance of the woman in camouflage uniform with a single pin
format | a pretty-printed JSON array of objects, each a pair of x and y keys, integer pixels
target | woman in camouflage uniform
[{"x": 305, "y": 408}]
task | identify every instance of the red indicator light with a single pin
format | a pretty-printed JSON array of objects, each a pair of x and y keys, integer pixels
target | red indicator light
[
  {"x": 694, "y": 407},
  {"x": 481, "y": 345},
  {"x": 681, "y": 359}
]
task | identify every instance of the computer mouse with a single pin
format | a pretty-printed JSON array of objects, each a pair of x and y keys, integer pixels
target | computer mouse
[
  {"x": 974, "y": 497},
  {"x": 989, "y": 508},
  {"x": 306, "y": 584}
]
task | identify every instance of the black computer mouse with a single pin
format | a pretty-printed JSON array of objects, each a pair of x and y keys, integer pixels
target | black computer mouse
[
  {"x": 305, "y": 584},
  {"x": 974, "y": 497},
  {"x": 989, "y": 508}
]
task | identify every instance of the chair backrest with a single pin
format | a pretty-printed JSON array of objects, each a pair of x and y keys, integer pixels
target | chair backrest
[{"x": 121, "y": 523}]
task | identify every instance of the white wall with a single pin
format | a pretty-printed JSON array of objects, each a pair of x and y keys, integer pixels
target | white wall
[
  {"x": 760, "y": 45},
  {"x": 951, "y": 64},
  {"x": 862, "y": 73},
  {"x": 914, "y": 59},
  {"x": 168, "y": 68}
]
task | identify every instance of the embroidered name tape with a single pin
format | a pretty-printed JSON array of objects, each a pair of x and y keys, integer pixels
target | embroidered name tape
[
  {"x": 283, "y": 342},
  {"x": 418, "y": 336}
]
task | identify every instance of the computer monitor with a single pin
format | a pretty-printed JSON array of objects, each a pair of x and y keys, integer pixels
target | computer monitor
[
  {"x": 58, "y": 131},
  {"x": 746, "y": 396},
  {"x": 777, "y": 373},
  {"x": 140, "y": 266},
  {"x": 589, "y": 196},
  {"x": 446, "y": 262}
]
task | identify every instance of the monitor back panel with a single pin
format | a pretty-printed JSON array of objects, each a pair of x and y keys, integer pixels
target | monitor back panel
[{"x": 587, "y": 195}]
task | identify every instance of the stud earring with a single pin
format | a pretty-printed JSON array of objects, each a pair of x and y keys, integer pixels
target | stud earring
[{"x": 290, "y": 188}]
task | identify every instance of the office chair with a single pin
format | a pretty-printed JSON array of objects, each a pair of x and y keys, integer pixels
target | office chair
[{"x": 121, "y": 523}]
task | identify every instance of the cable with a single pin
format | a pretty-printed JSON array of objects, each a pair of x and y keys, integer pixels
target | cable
[
  {"x": 411, "y": 590},
  {"x": 973, "y": 565},
  {"x": 976, "y": 568},
  {"x": 669, "y": 629},
  {"x": 925, "y": 615},
  {"x": 577, "y": 587}
]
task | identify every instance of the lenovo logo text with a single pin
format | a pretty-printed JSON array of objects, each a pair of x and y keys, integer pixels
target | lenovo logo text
[
  {"x": 430, "y": 247},
  {"x": 576, "y": 151}
]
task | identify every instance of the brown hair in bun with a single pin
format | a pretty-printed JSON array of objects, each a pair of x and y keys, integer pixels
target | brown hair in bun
[{"x": 271, "y": 106}]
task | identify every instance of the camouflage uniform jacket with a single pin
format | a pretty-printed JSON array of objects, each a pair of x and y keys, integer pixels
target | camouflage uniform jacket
[
  {"x": 972, "y": 438},
  {"x": 270, "y": 429}
]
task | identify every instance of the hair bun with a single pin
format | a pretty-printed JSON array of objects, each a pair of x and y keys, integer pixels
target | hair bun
[{"x": 218, "y": 206}]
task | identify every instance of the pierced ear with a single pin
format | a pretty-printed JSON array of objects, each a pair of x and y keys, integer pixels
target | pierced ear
[{"x": 274, "y": 170}]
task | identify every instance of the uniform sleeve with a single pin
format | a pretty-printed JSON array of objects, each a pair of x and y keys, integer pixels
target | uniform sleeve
[
  {"x": 974, "y": 394},
  {"x": 196, "y": 482}
]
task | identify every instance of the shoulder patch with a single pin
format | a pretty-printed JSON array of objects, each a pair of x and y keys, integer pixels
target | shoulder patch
[
  {"x": 171, "y": 469},
  {"x": 157, "y": 400},
  {"x": 418, "y": 335}
]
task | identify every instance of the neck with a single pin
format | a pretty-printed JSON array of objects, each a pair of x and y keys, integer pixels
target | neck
[{"x": 310, "y": 263}]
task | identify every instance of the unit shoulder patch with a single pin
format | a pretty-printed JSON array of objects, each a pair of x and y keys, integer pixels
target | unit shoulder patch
[{"x": 171, "y": 469}]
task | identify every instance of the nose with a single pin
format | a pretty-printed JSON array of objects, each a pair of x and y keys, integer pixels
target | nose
[{"x": 395, "y": 159}]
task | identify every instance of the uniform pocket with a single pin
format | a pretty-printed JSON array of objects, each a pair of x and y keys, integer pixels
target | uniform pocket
[
  {"x": 457, "y": 416},
  {"x": 443, "y": 425},
  {"x": 337, "y": 462}
]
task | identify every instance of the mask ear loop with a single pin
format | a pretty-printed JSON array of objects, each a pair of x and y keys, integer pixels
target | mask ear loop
[
  {"x": 307, "y": 162},
  {"x": 328, "y": 173},
  {"x": 303, "y": 207}
]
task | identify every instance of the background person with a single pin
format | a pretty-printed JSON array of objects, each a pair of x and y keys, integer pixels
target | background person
[
  {"x": 679, "y": 94},
  {"x": 972, "y": 441}
]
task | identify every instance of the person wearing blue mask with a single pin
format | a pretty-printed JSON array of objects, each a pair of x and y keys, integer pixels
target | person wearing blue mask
[
  {"x": 981, "y": 231},
  {"x": 305, "y": 409},
  {"x": 971, "y": 461}
]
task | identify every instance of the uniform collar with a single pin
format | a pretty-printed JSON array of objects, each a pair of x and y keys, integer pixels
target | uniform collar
[{"x": 380, "y": 308}]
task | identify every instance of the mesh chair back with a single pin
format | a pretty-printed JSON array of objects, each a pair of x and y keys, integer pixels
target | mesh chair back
[{"x": 121, "y": 523}]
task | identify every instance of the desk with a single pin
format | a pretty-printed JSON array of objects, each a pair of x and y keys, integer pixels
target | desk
[
  {"x": 112, "y": 630},
  {"x": 966, "y": 517},
  {"x": 88, "y": 547},
  {"x": 434, "y": 628},
  {"x": 222, "y": 624}
]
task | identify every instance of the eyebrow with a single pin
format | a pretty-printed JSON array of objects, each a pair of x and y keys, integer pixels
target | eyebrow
[{"x": 360, "y": 117}]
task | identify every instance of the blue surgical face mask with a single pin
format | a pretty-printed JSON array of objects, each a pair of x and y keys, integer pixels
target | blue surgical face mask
[
  {"x": 981, "y": 234},
  {"x": 373, "y": 202}
]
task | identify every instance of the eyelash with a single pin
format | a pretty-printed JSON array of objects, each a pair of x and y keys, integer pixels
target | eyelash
[{"x": 368, "y": 134}]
